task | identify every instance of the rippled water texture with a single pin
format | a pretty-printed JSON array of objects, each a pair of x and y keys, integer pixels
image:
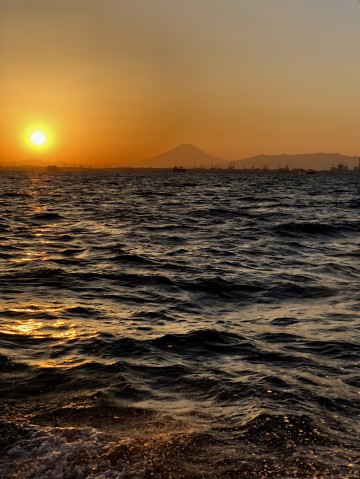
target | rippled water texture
[{"x": 196, "y": 325}]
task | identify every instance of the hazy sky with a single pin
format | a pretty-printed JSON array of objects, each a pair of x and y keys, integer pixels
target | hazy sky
[{"x": 116, "y": 80}]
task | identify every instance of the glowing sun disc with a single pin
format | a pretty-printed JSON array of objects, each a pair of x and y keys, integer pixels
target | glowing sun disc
[{"x": 38, "y": 138}]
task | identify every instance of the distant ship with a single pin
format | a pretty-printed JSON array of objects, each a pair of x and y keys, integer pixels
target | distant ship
[
  {"x": 52, "y": 168},
  {"x": 179, "y": 169}
]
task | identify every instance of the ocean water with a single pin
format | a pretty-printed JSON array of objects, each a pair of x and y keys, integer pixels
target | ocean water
[{"x": 184, "y": 326}]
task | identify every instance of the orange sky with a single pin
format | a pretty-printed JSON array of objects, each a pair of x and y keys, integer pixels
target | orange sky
[{"x": 117, "y": 80}]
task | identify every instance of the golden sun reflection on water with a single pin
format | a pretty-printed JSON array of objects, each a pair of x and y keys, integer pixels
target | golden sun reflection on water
[
  {"x": 38, "y": 329},
  {"x": 29, "y": 256},
  {"x": 26, "y": 328},
  {"x": 51, "y": 327},
  {"x": 40, "y": 322},
  {"x": 36, "y": 308},
  {"x": 37, "y": 209}
]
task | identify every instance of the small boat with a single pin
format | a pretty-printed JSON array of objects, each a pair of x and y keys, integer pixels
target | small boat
[{"x": 179, "y": 169}]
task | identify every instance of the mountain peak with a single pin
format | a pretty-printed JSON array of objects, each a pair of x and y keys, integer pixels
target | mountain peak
[
  {"x": 186, "y": 155},
  {"x": 186, "y": 146}
]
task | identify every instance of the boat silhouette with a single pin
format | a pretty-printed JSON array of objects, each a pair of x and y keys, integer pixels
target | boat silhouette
[{"x": 179, "y": 169}]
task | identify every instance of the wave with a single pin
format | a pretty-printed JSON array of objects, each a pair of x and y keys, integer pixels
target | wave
[
  {"x": 285, "y": 431},
  {"x": 202, "y": 341},
  {"x": 317, "y": 229},
  {"x": 192, "y": 327},
  {"x": 81, "y": 311},
  {"x": 46, "y": 217},
  {"x": 86, "y": 452},
  {"x": 66, "y": 452},
  {"x": 13, "y": 194},
  {"x": 223, "y": 288},
  {"x": 131, "y": 258},
  {"x": 137, "y": 444},
  {"x": 334, "y": 349}
]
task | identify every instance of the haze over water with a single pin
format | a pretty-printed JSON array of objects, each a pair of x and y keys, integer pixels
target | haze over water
[{"x": 195, "y": 326}]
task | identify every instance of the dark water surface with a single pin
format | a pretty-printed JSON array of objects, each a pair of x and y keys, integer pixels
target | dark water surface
[{"x": 165, "y": 325}]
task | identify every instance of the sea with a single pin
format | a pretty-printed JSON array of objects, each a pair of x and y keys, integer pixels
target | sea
[{"x": 179, "y": 325}]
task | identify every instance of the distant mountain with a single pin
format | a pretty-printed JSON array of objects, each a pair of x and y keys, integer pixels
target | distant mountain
[
  {"x": 315, "y": 161},
  {"x": 183, "y": 155}
]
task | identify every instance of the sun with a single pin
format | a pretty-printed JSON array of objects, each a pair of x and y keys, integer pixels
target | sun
[{"x": 38, "y": 138}]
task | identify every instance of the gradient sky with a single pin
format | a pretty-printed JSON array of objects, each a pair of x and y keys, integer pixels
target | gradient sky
[{"x": 117, "y": 80}]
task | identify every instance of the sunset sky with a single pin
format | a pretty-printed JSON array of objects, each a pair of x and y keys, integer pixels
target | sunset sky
[{"x": 111, "y": 81}]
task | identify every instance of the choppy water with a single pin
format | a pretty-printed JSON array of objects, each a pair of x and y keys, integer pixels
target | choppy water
[{"x": 167, "y": 325}]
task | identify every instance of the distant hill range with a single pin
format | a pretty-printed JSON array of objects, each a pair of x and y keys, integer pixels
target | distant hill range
[
  {"x": 189, "y": 156},
  {"x": 184, "y": 155},
  {"x": 315, "y": 161}
]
